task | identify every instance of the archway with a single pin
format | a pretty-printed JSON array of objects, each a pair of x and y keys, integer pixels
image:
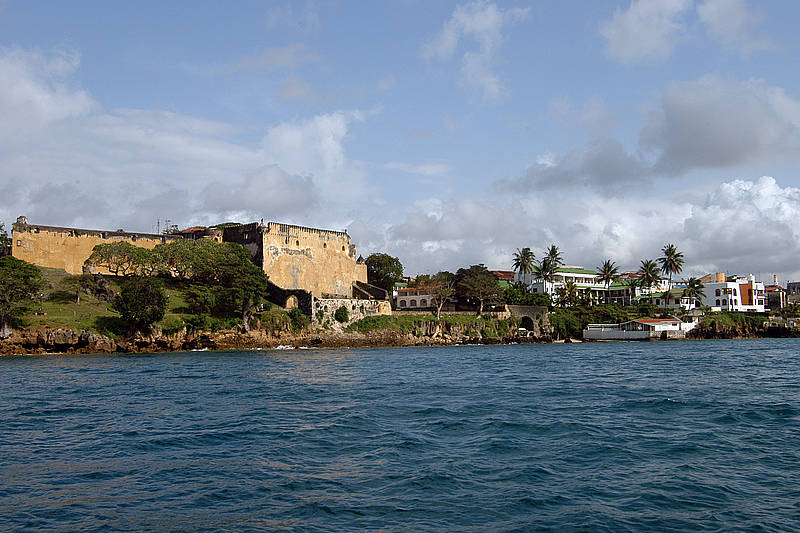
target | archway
[
  {"x": 291, "y": 302},
  {"x": 527, "y": 323}
]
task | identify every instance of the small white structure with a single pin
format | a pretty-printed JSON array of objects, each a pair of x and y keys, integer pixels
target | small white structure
[{"x": 639, "y": 329}]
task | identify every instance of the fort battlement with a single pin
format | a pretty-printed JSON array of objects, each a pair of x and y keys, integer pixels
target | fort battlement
[{"x": 68, "y": 248}]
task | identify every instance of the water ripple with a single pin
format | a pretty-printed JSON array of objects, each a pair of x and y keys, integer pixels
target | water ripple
[{"x": 676, "y": 436}]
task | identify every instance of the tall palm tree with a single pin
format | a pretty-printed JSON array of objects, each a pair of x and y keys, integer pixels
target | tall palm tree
[
  {"x": 671, "y": 262},
  {"x": 524, "y": 262},
  {"x": 554, "y": 255},
  {"x": 694, "y": 290},
  {"x": 609, "y": 273},
  {"x": 648, "y": 274}
]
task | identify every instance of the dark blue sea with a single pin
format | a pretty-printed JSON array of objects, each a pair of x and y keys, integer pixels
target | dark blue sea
[{"x": 670, "y": 436}]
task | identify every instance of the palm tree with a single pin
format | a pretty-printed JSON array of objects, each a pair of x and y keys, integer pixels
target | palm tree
[
  {"x": 608, "y": 274},
  {"x": 671, "y": 261},
  {"x": 524, "y": 262},
  {"x": 544, "y": 270},
  {"x": 694, "y": 290},
  {"x": 570, "y": 293},
  {"x": 648, "y": 274},
  {"x": 555, "y": 256}
]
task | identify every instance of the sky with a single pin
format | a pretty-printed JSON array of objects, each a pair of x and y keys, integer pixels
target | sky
[{"x": 443, "y": 133}]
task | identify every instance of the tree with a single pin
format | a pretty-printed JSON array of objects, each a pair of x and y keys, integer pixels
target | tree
[
  {"x": 442, "y": 287},
  {"x": 141, "y": 303},
  {"x": 671, "y": 263},
  {"x": 19, "y": 283},
  {"x": 554, "y": 256},
  {"x": 244, "y": 283},
  {"x": 5, "y": 240},
  {"x": 648, "y": 275},
  {"x": 384, "y": 271},
  {"x": 120, "y": 258},
  {"x": 476, "y": 283},
  {"x": 545, "y": 270},
  {"x": 568, "y": 294},
  {"x": 524, "y": 261},
  {"x": 694, "y": 290},
  {"x": 608, "y": 274}
]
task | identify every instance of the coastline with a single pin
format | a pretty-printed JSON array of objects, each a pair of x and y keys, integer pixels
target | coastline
[{"x": 65, "y": 341}]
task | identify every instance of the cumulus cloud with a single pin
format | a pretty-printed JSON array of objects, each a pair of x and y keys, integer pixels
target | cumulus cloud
[
  {"x": 733, "y": 23},
  {"x": 277, "y": 57},
  {"x": 92, "y": 167},
  {"x": 648, "y": 30},
  {"x": 718, "y": 123},
  {"x": 740, "y": 227},
  {"x": 483, "y": 23}
]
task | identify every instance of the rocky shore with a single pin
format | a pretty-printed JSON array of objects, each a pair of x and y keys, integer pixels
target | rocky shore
[{"x": 68, "y": 341}]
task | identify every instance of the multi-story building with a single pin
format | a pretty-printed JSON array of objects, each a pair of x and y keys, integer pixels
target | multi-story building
[
  {"x": 734, "y": 293},
  {"x": 586, "y": 280}
]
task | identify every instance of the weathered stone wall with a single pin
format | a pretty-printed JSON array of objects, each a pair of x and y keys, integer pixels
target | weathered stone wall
[
  {"x": 295, "y": 257},
  {"x": 68, "y": 248},
  {"x": 323, "y": 310}
]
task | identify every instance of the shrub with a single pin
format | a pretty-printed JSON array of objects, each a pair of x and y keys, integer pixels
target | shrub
[
  {"x": 200, "y": 300},
  {"x": 171, "y": 325},
  {"x": 141, "y": 303},
  {"x": 342, "y": 315},
  {"x": 300, "y": 320},
  {"x": 203, "y": 323}
]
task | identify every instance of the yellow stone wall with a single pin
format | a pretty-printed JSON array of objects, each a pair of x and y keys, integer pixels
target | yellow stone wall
[
  {"x": 68, "y": 248},
  {"x": 320, "y": 261}
]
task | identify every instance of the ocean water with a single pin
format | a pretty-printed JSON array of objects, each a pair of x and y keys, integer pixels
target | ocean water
[{"x": 671, "y": 436}]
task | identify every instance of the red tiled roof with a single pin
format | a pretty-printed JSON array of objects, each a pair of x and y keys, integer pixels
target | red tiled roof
[
  {"x": 192, "y": 230},
  {"x": 504, "y": 275},
  {"x": 655, "y": 320},
  {"x": 413, "y": 289}
]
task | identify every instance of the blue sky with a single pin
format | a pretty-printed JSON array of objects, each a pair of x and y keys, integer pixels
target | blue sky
[{"x": 446, "y": 133}]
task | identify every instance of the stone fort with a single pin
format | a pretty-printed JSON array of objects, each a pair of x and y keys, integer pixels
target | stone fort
[{"x": 318, "y": 262}]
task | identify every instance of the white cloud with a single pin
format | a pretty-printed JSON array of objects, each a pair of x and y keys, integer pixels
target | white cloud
[
  {"x": 648, "y": 30},
  {"x": 739, "y": 227},
  {"x": 277, "y": 57},
  {"x": 91, "y": 167},
  {"x": 484, "y": 23},
  {"x": 733, "y": 23}
]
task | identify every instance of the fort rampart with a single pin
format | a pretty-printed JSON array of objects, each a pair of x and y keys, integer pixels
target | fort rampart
[{"x": 68, "y": 248}]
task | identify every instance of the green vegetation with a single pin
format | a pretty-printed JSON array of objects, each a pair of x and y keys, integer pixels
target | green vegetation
[
  {"x": 469, "y": 325},
  {"x": 476, "y": 284},
  {"x": 20, "y": 282},
  {"x": 384, "y": 271},
  {"x": 341, "y": 315},
  {"x": 141, "y": 303},
  {"x": 5, "y": 240}
]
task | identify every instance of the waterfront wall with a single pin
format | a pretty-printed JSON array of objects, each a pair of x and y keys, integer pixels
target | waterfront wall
[{"x": 323, "y": 310}]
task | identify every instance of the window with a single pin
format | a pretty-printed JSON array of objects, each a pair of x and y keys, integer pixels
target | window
[
  {"x": 423, "y": 303},
  {"x": 717, "y": 293},
  {"x": 724, "y": 302},
  {"x": 717, "y": 300},
  {"x": 324, "y": 244},
  {"x": 734, "y": 292},
  {"x": 534, "y": 291},
  {"x": 402, "y": 303},
  {"x": 19, "y": 243},
  {"x": 413, "y": 303},
  {"x": 343, "y": 248},
  {"x": 297, "y": 243}
]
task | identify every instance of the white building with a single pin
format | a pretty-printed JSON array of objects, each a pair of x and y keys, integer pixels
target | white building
[
  {"x": 734, "y": 294},
  {"x": 586, "y": 280},
  {"x": 414, "y": 298},
  {"x": 640, "y": 329}
]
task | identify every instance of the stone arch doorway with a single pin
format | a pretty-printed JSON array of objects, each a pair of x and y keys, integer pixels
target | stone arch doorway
[
  {"x": 291, "y": 302},
  {"x": 527, "y": 323}
]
